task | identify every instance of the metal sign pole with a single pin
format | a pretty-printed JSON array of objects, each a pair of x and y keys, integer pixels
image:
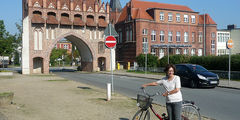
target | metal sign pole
[
  {"x": 229, "y": 72},
  {"x": 111, "y": 61}
]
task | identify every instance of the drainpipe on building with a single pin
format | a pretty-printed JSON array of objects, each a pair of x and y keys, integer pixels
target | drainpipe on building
[{"x": 204, "y": 34}]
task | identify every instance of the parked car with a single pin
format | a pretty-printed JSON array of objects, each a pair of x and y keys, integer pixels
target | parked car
[{"x": 196, "y": 76}]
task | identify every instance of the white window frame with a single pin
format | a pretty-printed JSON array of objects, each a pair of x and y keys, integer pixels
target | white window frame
[
  {"x": 193, "y": 37},
  {"x": 200, "y": 52},
  {"x": 186, "y": 18},
  {"x": 200, "y": 37},
  {"x": 162, "y": 16},
  {"x": 153, "y": 35},
  {"x": 178, "y": 36},
  {"x": 178, "y": 17},
  {"x": 162, "y": 36},
  {"x": 170, "y": 36},
  {"x": 186, "y": 36},
  {"x": 193, "y": 19},
  {"x": 145, "y": 31},
  {"x": 185, "y": 51},
  {"x": 170, "y": 17},
  {"x": 178, "y": 51},
  {"x": 193, "y": 51},
  {"x": 153, "y": 51}
]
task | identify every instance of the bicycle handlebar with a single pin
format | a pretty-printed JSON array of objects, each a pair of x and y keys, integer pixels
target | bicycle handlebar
[{"x": 149, "y": 95}]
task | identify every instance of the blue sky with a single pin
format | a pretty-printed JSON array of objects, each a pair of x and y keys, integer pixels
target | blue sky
[{"x": 223, "y": 12}]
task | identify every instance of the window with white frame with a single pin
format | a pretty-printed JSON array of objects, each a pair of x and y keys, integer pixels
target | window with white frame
[
  {"x": 170, "y": 34},
  {"x": 153, "y": 35},
  {"x": 193, "y": 51},
  {"x": 185, "y": 52},
  {"x": 185, "y": 36},
  {"x": 145, "y": 31},
  {"x": 213, "y": 47},
  {"x": 193, "y": 37},
  {"x": 193, "y": 17},
  {"x": 162, "y": 36},
  {"x": 170, "y": 17},
  {"x": 153, "y": 51},
  {"x": 200, "y": 37},
  {"x": 213, "y": 35},
  {"x": 162, "y": 16},
  {"x": 144, "y": 43},
  {"x": 65, "y": 46},
  {"x": 178, "y": 36},
  {"x": 186, "y": 18},
  {"x": 178, "y": 51},
  {"x": 161, "y": 53},
  {"x": 200, "y": 52},
  {"x": 178, "y": 17}
]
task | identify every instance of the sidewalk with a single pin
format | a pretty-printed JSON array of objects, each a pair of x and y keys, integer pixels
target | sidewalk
[{"x": 223, "y": 83}]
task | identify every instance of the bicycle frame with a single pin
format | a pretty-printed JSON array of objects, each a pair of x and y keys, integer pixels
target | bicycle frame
[{"x": 155, "y": 113}]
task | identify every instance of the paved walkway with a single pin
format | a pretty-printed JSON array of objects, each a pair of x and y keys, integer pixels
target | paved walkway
[{"x": 223, "y": 83}]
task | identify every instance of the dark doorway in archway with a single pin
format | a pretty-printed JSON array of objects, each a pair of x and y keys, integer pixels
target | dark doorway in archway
[
  {"x": 102, "y": 63},
  {"x": 38, "y": 65}
]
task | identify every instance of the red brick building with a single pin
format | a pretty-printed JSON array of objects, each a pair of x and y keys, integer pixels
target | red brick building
[
  {"x": 63, "y": 44},
  {"x": 161, "y": 26}
]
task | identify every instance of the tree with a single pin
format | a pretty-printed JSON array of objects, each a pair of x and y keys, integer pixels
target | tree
[{"x": 6, "y": 40}]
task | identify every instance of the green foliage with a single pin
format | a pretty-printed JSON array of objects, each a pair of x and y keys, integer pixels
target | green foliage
[
  {"x": 173, "y": 59},
  {"x": 58, "y": 53},
  {"x": 151, "y": 60}
]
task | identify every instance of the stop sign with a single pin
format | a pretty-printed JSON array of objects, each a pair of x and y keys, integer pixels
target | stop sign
[{"x": 110, "y": 42}]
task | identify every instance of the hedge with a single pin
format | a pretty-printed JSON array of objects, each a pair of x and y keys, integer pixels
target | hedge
[{"x": 209, "y": 62}]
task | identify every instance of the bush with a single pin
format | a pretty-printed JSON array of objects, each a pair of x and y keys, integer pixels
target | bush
[{"x": 151, "y": 60}]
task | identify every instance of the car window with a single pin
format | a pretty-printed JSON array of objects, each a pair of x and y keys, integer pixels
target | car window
[
  {"x": 181, "y": 69},
  {"x": 199, "y": 68}
]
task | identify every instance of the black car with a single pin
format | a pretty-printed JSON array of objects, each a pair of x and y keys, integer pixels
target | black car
[{"x": 196, "y": 76}]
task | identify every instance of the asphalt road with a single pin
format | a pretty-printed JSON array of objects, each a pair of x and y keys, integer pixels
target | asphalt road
[{"x": 218, "y": 103}]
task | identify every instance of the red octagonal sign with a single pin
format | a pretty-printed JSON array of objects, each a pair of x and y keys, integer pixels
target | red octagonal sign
[{"x": 110, "y": 42}]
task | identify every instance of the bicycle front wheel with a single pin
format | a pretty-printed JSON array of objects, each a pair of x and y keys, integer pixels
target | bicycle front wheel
[
  {"x": 142, "y": 115},
  {"x": 190, "y": 112}
]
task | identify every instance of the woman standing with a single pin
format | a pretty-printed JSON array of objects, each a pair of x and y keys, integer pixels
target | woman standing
[{"x": 173, "y": 94}]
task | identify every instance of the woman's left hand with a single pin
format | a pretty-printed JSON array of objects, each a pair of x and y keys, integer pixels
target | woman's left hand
[{"x": 165, "y": 94}]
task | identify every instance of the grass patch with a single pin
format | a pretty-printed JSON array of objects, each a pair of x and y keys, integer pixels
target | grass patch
[
  {"x": 43, "y": 75},
  {"x": 60, "y": 80},
  {"x": 6, "y": 77},
  {"x": 5, "y": 71},
  {"x": 6, "y": 94}
]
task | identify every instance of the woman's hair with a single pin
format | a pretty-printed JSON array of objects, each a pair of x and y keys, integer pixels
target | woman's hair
[{"x": 168, "y": 67}]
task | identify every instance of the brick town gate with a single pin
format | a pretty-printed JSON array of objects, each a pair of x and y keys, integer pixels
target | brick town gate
[{"x": 82, "y": 22}]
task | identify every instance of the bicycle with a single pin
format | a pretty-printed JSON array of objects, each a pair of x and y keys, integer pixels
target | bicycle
[{"x": 189, "y": 110}]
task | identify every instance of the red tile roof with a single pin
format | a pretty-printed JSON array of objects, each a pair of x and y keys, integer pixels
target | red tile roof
[
  {"x": 208, "y": 19},
  {"x": 139, "y": 9}
]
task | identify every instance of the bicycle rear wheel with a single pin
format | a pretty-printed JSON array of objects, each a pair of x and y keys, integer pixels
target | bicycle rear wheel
[
  {"x": 190, "y": 112},
  {"x": 142, "y": 115}
]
